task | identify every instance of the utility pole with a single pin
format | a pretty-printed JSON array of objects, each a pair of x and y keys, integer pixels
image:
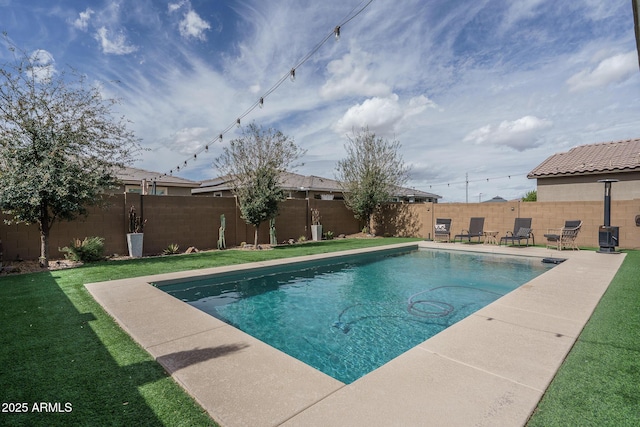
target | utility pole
[{"x": 466, "y": 179}]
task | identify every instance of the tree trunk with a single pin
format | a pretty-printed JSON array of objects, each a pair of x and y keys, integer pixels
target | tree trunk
[
  {"x": 255, "y": 238},
  {"x": 44, "y": 245},
  {"x": 44, "y": 235}
]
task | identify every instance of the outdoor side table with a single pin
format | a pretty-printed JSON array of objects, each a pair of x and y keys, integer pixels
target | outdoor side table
[{"x": 491, "y": 237}]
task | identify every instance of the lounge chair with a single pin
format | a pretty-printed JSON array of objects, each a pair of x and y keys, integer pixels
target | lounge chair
[
  {"x": 476, "y": 229},
  {"x": 521, "y": 231},
  {"x": 564, "y": 237},
  {"x": 442, "y": 229}
]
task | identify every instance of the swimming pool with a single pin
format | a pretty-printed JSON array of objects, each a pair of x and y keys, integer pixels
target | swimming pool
[{"x": 347, "y": 316}]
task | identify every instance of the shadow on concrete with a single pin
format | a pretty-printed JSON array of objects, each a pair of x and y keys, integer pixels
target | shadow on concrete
[{"x": 181, "y": 359}]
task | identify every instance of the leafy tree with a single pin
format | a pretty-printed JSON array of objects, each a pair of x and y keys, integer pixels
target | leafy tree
[
  {"x": 253, "y": 164},
  {"x": 531, "y": 196},
  {"x": 59, "y": 145},
  {"x": 369, "y": 174}
]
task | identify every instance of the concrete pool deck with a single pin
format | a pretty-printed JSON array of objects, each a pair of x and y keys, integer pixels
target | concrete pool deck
[{"x": 491, "y": 368}]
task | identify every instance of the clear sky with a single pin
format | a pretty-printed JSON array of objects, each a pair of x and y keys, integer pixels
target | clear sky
[{"x": 487, "y": 89}]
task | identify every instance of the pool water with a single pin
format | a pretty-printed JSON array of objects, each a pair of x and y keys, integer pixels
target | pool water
[{"x": 349, "y": 316}]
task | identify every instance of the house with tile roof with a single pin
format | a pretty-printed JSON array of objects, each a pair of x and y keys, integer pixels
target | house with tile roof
[
  {"x": 134, "y": 180},
  {"x": 574, "y": 175},
  {"x": 299, "y": 186}
]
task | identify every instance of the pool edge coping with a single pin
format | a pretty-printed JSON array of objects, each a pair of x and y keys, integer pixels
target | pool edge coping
[{"x": 292, "y": 392}]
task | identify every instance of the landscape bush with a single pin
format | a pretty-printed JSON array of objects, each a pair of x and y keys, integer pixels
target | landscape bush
[{"x": 90, "y": 249}]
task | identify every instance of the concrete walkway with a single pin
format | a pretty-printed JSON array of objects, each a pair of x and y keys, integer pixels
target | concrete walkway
[{"x": 490, "y": 369}]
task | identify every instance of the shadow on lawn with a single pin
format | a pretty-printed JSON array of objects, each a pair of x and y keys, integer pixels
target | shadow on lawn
[{"x": 51, "y": 353}]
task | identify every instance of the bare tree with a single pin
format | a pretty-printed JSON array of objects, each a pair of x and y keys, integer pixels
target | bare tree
[
  {"x": 254, "y": 163},
  {"x": 371, "y": 171},
  {"x": 59, "y": 145}
]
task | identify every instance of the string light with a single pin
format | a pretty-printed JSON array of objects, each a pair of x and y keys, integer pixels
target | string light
[
  {"x": 291, "y": 75},
  {"x": 449, "y": 184}
]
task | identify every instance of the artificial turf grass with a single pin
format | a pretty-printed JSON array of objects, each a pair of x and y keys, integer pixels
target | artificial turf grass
[
  {"x": 599, "y": 382},
  {"x": 58, "y": 344},
  {"x": 52, "y": 353}
]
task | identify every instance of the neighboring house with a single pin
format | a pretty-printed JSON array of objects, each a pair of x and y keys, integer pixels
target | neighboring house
[
  {"x": 135, "y": 180},
  {"x": 574, "y": 175},
  {"x": 308, "y": 187},
  {"x": 496, "y": 199}
]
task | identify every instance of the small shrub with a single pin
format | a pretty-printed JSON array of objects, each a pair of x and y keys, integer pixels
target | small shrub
[
  {"x": 328, "y": 235},
  {"x": 90, "y": 249},
  {"x": 172, "y": 249},
  {"x": 302, "y": 239}
]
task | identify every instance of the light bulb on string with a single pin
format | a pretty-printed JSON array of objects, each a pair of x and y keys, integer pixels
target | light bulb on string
[
  {"x": 220, "y": 136},
  {"x": 238, "y": 122},
  {"x": 206, "y": 148},
  {"x": 336, "y": 31},
  {"x": 292, "y": 74},
  {"x": 261, "y": 102}
]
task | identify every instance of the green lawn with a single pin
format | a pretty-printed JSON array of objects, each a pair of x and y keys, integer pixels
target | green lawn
[
  {"x": 599, "y": 382},
  {"x": 58, "y": 346}
]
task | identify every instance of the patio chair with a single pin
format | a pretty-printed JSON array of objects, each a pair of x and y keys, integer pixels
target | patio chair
[
  {"x": 442, "y": 230},
  {"x": 521, "y": 231},
  {"x": 476, "y": 229},
  {"x": 564, "y": 237}
]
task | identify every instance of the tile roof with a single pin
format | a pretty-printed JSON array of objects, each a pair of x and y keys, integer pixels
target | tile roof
[
  {"x": 294, "y": 181},
  {"x": 605, "y": 157},
  {"x": 129, "y": 175}
]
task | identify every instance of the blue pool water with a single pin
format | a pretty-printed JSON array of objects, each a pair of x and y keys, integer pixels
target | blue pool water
[{"x": 349, "y": 316}]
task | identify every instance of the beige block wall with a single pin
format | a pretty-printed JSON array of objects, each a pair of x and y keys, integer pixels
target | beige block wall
[
  {"x": 546, "y": 215},
  {"x": 194, "y": 221},
  {"x": 186, "y": 221}
]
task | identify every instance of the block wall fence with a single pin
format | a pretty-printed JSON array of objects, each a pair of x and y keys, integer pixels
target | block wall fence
[{"x": 194, "y": 221}]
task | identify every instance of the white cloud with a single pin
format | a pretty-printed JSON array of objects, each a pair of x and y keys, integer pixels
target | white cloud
[
  {"x": 193, "y": 26},
  {"x": 382, "y": 115},
  {"x": 520, "y": 134},
  {"x": 43, "y": 65},
  {"x": 519, "y": 10},
  {"x": 418, "y": 104},
  {"x": 82, "y": 22},
  {"x": 116, "y": 45},
  {"x": 614, "y": 69},
  {"x": 188, "y": 140},
  {"x": 351, "y": 75},
  {"x": 172, "y": 7}
]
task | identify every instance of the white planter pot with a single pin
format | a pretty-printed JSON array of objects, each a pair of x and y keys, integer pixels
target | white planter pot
[
  {"x": 316, "y": 233},
  {"x": 134, "y": 243}
]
